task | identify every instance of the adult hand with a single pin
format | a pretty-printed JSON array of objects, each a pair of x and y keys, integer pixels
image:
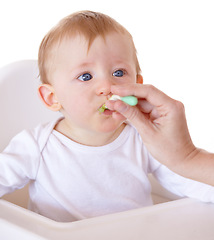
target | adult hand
[{"x": 161, "y": 123}]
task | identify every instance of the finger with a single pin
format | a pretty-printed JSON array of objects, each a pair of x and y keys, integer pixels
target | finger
[
  {"x": 145, "y": 106},
  {"x": 118, "y": 116},
  {"x": 153, "y": 95},
  {"x": 133, "y": 114}
]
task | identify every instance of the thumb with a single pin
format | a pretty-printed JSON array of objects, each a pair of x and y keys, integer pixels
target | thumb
[{"x": 134, "y": 115}]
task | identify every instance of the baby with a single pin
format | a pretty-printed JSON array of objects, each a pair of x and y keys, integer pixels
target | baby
[{"x": 87, "y": 163}]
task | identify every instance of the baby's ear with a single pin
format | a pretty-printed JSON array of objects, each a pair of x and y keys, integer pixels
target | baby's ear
[
  {"x": 47, "y": 95},
  {"x": 139, "y": 79}
]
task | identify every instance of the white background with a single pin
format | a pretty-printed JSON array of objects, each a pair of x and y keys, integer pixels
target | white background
[{"x": 174, "y": 39}]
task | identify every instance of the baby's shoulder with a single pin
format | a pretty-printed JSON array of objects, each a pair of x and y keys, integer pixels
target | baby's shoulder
[{"x": 42, "y": 132}]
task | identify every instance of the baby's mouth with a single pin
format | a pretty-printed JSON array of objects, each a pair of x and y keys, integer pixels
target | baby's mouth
[{"x": 102, "y": 108}]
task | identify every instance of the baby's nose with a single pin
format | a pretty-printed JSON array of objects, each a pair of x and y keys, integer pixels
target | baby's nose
[{"x": 104, "y": 87}]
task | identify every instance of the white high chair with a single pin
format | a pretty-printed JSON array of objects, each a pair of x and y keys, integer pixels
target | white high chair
[{"x": 21, "y": 109}]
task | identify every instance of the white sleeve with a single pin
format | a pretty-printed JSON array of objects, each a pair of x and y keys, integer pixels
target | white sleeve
[
  {"x": 179, "y": 185},
  {"x": 19, "y": 163}
]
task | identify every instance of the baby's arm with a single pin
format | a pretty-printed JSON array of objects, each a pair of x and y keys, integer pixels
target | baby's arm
[
  {"x": 18, "y": 163},
  {"x": 161, "y": 122},
  {"x": 179, "y": 185}
]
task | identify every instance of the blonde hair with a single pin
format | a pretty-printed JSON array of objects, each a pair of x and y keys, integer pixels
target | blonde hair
[{"x": 87, "y": 23}]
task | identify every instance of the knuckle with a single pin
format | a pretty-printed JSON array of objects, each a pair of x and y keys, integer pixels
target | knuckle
[
  {"x": 132, "y": 113},
  {"x": 151, "y": 87},
  {"x": 177, "y": 108},
  {"x": 179, "y": 105}
]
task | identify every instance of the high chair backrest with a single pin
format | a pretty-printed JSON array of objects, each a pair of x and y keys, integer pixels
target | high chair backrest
[{"x": 21, "y": 107}]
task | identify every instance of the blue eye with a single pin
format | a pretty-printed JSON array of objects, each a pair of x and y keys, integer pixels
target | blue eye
[
  {"x": 118, "y": 73},
  {"x": 85, "y": 77}
]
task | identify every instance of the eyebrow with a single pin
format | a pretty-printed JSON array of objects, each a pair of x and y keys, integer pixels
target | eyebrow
[
  {"x": 84, "y": 64},
  {"x": 117, "y": 63},
  {"x": 123, "y": 64}
]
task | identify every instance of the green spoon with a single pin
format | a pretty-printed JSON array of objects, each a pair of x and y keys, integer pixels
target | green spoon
[{"x": 130, "y": 100}]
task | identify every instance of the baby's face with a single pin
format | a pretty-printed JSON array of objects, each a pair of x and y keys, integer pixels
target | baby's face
[{"x": 82, "y": 78}]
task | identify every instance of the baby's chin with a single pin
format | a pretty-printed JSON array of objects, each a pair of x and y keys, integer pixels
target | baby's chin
[{"x": 113, "y": 127}]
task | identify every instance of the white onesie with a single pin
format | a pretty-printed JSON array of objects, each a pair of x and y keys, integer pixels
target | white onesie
[{"x": 70, "y": 181}]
